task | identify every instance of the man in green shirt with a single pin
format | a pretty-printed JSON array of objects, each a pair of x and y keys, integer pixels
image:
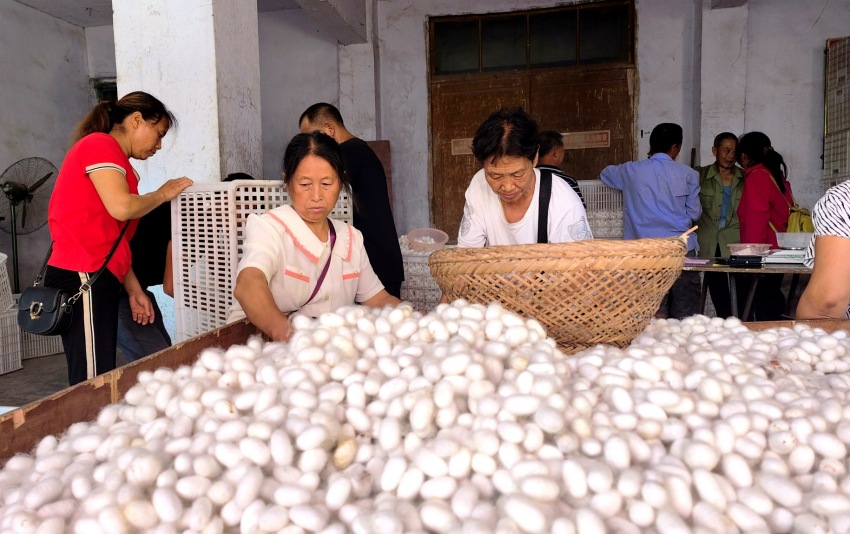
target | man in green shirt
[{"x": 721, "y": 184}]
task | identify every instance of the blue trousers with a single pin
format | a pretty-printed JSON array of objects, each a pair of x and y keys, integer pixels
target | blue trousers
[{"x": 135, "y": 340}]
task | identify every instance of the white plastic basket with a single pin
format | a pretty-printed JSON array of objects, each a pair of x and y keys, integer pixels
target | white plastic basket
[
  {"x": 604, "y": 209},
  {"x": 10, "y": 342},
  {"x": 207, "y": 227},
  {"x": 422, "y": 299},
  {"x": 417, "y": 274},
  {"x": 419, "y": 288},
  {"x": 836, "y": 158},
  {"x": 6, "y": 300},
  {"x": 33, "y": 346}
]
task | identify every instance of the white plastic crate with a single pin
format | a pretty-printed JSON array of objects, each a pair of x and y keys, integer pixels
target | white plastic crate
[
  {"x": 10, "y": 342},
  {"x": 836, "y": 158},
  {"x": 207, "y": 227},
  {"x": 417, "y": 274},
  {"x": 422, "y": 299},
  {"x": 6, "y": 300},
  {"x": 33, "y": 346},
  {"x": 837, "y": 86},
  {"x": 604, "y": 209}
]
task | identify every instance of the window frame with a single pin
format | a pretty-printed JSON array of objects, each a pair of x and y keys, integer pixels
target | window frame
[{"x": 578, "y": 62}]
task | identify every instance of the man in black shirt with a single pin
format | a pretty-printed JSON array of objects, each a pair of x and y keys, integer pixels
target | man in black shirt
[
  {"x": 151, "y": 249},
  {"x": 372, "y": 213},
  {"x": 551, "y": 156}
]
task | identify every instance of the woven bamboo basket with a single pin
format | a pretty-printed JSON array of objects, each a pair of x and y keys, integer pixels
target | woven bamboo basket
[{"x": 584, "y": 293}]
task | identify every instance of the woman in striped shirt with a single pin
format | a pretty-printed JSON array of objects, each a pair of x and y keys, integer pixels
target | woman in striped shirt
[{"x": 827, "y": 296}]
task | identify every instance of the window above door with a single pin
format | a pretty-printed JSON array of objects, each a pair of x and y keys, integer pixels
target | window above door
[{"x": 522, "y": 40}]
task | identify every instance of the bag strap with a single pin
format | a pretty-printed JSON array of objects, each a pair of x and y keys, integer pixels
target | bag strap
[
  {"x": 327, "y": 264},
  {"x": 790, "y": 204},
  {"x": 543, "y": 211},
  {"x": 85, "y": 286},
  {"x": 793, "y": 200}
]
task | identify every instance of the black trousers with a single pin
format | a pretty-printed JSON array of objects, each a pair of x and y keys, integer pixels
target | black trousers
[
  {"x": 683, "y": 298},
  {"x": 718, "y": 288},
  {"x": 91, "y": 340},
  {"x": 768, "y": 300}
]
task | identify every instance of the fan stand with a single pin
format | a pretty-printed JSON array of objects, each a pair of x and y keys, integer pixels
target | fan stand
[
  {"x": 13, "y": 219},
  {"x": 14, "y": 201}
]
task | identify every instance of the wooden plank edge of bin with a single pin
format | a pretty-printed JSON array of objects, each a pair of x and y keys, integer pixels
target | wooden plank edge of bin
[
  {"x": 829, "y": 325},
  {"x": 23, "y": 428}
]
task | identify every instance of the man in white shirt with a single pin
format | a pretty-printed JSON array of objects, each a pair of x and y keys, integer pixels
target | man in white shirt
[{"x": 504, "y": 199}]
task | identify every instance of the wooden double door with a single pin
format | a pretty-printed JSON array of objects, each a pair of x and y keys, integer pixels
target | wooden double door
[{"x": 599, "y": 102}]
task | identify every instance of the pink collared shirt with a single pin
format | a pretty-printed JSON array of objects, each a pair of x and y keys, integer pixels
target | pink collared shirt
[{"x": 279, "y": 244}]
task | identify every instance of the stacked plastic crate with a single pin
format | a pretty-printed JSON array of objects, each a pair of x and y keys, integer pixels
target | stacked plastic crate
[
  {"x": 604, "y": 209},
  {"x": 836, "y": 157},
  {"x": 208, "y": 230},
  {"x": 10, "y": 334},
  {"x": 419, "y": 287}
]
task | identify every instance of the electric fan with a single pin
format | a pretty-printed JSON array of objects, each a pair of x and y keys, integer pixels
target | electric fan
[{"x": 27, "y": 185}]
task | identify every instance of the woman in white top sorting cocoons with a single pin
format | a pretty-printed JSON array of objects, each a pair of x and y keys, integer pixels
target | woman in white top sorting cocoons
[
  {"x": 505, "y": 203},
  {"x": 296, "y": 258}
]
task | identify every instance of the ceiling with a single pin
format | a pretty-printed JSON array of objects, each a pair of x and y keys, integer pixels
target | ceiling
[{"x": 87, "y": 13}]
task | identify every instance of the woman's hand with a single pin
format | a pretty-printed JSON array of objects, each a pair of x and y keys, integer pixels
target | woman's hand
[
  {"x": 282, "y": 331},
  {"x": 382, "y": 299},
  {"x": 141, "y": 308},
  {"x": 170, "y": 189},
  {"x": 253, "y": 294}
]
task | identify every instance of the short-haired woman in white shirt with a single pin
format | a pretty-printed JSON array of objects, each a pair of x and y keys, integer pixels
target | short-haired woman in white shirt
[{"x": 287, "y": 249}]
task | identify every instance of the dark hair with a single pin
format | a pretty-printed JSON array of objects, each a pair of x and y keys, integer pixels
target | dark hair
[
  {"x": 723, "y": 136},
  {"x": 105, "y": 115},
  {"x": 316, "y": 144},
  {"x": 507, "y": 132},
  {"x": 664, "y": 137},
  {"x": 549, "y": 140},
  {"x": 756, "y": 145},
  {"x": 238, "y": 176},
  {"x": 321, "y": 112}
]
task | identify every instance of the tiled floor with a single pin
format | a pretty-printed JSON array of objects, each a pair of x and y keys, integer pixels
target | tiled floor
[{"x": 39, "y": 378}]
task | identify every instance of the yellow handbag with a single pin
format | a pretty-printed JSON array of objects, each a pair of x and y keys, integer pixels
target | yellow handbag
[{"x": 799, "y": 218}]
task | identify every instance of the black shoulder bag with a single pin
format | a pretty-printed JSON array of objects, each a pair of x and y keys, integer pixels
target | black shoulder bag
[
  {"x": 543, "y": 211},
  {"x": 47, "y": 311}
]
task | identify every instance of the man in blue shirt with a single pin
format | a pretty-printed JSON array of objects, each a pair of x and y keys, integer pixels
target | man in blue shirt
[{"x": 661, "y": 199}]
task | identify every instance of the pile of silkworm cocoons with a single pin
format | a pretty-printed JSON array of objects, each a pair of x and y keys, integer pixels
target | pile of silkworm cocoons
[{"x": 465, "y": 420}]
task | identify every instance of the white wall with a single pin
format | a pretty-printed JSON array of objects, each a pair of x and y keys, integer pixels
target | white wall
[
  {"x": 724, "y": 74},
  {"x": 666, "y": 53},
  {"x": 785, "y": 81},
  {"x": 401, "y": 27},
  {"x": 758, "y": 66},
  {"x": 44, "y": 91},
  {"x": 298, "y": 67},
  {"x": 100, "y": 47}
]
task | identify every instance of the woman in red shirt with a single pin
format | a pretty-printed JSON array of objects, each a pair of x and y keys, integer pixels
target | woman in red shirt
[
  {"x": 763, "y": 211},
  {"x": 96, "y": 194}
]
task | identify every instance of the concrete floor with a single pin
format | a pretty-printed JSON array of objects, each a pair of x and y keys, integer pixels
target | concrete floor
[{"x": 38, "y": 378}]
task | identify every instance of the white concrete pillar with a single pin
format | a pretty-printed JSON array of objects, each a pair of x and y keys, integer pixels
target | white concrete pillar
[
  {"x": 723, "y": 75},
  {"x": 358, "y": 80},
  {"x": 201, "y": 58},
  {"x": 357, "y": 90}
]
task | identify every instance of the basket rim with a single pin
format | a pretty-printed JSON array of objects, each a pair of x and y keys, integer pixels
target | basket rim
[{"x": 591, "y": 248}]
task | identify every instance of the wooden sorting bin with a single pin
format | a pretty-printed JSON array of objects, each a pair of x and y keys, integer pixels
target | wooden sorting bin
[{"x": 22, "y": 429}]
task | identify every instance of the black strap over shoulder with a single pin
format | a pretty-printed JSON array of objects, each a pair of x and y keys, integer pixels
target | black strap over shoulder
[
  {"x": 545, "y": 195},
  {"x": 86, "y": 285}
]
